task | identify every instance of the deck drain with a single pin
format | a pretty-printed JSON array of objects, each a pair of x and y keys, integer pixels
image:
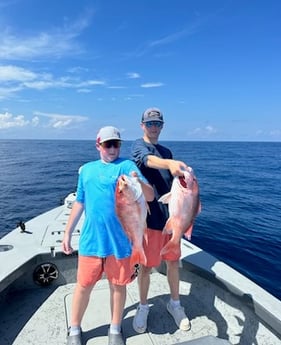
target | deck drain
[{"x": 5, "y": 247}]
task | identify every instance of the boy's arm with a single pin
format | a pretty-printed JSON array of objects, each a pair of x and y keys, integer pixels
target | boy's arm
[{"x": 76, "y": 212}]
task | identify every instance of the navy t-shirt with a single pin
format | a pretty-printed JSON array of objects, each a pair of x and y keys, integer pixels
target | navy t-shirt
[{"x": 160, "y": 179}]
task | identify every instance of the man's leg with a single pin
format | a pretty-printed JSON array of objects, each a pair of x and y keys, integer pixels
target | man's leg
[
  {"x": 140, "y": 318},
  {"x": 144, "y": 282},
  {"x": 152, "y": 244},
  {"x": 174, "y": 307},
  {"x": 173, "y": 278}
]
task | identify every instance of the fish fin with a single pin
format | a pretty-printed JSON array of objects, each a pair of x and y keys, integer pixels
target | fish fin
[
  {"x": 171, "y": 251},
  {"x": 148, "y": 209},
  {"x": 138, "y": 257},
  {"x": 199, "y": 208},
  {"x": 165, "y": 198},
  {"x": 168, "y": 228},
  {"x": 188, "y": 232}
]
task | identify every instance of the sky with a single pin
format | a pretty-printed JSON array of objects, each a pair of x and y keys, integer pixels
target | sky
[{"x": 213, "y": 68}]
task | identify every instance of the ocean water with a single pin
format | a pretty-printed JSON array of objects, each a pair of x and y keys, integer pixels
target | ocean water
[{"x": 240, "y": 189}]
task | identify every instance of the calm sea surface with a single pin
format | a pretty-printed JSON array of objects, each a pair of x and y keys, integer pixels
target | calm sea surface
[{"x": 240, "y": 186}]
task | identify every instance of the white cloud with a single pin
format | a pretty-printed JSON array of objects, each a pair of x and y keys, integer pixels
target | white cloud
[
  {"x": 7, "y": 120},
  {"x": 92, "y": 83},
  {"x": 7, "y": 92},
  {"x": 13, "y": 73},
  {"x": 16, "y": 79},
  {"x": 148, "y": 85},
  {"x": 203, "y": 131},
  {"x": 78, "y": 70},
  {"x": 196, "y": 130},
  {"x": 173, "y": 37},
  {"x": 39, "y": 84},
  {"x": 117, "y": 87},
  {"x": 64, "y": 82},
  {"x": 61, "y": 121},
  {"x": 84, "y": 90},
  {"x": 259, "y": 132},
  {"x": 133, "y": 75},
  {"x": 56, "y": 121},
  {"x": 35, "y": 121},
  {"x": 54, "y": 43},
  {"x": 210, "y": 129},
  {"x": 274, "y": 133}
]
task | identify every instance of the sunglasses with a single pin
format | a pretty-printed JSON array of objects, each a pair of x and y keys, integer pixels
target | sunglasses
[
  {"x": 149, "y": 124},
  {"x": 108, "y": 144}
]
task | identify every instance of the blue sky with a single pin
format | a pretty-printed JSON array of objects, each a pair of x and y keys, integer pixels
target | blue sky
[{"x": 69, "y": 67}]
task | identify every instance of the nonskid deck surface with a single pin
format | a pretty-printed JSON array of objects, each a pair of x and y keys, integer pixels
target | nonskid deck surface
[{"x": 21, "y": 323}]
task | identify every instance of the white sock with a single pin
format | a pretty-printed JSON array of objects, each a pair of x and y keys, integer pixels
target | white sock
[
  {"x": 143, "y": 306},
  {"x": 75, "y": 330},
  {"x": 115, "y": 329},
  {"x": 175, "y": 303}
]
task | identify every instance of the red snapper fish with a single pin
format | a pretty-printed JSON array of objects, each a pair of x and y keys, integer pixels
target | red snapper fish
[
  {"x": 131, "y": 210},
  {"x": 184, "y": 205}
]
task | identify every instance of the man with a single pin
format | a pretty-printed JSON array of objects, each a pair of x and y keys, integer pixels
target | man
[
  {"x": 103, "y": 245},
  {"x": 156, "y": 163}
]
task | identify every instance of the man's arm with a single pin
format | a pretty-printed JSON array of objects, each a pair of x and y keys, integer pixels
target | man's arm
[{"x": 176, "y": 167}]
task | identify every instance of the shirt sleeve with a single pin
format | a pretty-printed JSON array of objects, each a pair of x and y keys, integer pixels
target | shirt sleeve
[
  {"x": 133, "y": 167},
  {"x": 139, "y": 153},
  {"x": 80, "y": 195}
]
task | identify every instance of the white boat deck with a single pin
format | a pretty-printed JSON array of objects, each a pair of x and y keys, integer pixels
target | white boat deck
[
  {"x": 219, "y": 301},
  {"x": 23, "y": 324}
]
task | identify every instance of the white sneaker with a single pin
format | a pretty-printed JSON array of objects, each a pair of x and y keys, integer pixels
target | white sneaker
[
  {"x": 140, "y": 319},
  {"x": 179, "y": 316}
]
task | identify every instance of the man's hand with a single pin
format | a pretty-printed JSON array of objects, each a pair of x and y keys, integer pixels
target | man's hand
[{"x": 177, "y": 167}]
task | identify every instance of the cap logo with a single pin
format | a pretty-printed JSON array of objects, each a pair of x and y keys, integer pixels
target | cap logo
[
  {"x": 153, "y": 113},
  {"x": 117, "y": 133}
]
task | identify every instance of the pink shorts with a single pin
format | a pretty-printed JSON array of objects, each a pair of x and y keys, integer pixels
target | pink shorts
[
  {"x": 91, "y": 268},
  {"x": 154, "y": 241}
]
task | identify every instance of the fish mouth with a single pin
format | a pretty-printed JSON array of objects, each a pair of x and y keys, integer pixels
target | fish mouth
[
  {"x": 122, "y": 178},
  {"x": 182, "y": 181},
  {"x": 122, "y": 183}
]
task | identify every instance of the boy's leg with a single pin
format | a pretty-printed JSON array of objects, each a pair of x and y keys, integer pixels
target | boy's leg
[
  {"x": 117, "y": 303},
  {"x": 79, "y": 304},
  {"x": 119, "y": 273},
  {"x": 88, "y": 273}
]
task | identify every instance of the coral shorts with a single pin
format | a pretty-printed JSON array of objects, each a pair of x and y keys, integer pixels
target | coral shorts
[
  {"x": 154, "y": 241},
  {"x": 91, "y": 269}
]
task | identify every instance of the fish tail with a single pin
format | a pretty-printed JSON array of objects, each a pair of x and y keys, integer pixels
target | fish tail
[
  {"x": 138, "y": 257},
  {"x": 171, "y": 251},
  {"x": 188, "y": 232}
]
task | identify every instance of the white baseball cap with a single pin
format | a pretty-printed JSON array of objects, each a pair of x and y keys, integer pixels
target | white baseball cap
[{"x": 108, "y": 133}]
